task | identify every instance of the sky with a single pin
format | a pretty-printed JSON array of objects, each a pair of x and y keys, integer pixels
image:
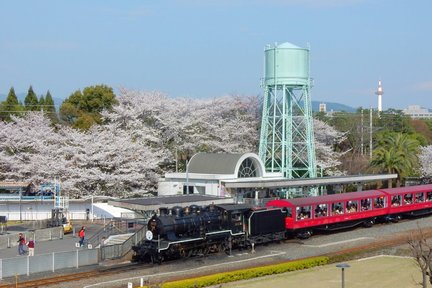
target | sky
[{"x": 211, "y": 48}]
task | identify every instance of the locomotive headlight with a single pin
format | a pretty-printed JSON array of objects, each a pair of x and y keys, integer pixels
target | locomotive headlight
[{"x": 149, "y": 235}]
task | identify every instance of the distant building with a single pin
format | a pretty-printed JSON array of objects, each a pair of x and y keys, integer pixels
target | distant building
[
  {"x": 322, "y": 107},
  {"x": 417, "y": 112}
]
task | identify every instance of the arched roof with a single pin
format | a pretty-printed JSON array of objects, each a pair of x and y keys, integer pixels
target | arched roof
[{"x": 221, "y": 163}]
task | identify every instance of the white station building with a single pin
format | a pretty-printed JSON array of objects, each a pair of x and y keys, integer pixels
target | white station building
[
  {"x": 209, "y": 174},
  {"x": 242, "y": 176}
]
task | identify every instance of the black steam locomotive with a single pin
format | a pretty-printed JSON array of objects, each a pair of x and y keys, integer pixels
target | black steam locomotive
[{"x": 184, "y": 232}]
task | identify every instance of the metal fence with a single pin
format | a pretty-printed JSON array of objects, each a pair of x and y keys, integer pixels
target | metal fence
[
  {"x": 47, "y": 262},
  {"x": 10, "y": 240}
]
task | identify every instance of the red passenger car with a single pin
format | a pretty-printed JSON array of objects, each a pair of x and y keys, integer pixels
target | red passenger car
[
  {"x": 409, "y": 201},
  {"x": 339, "y": 211}
]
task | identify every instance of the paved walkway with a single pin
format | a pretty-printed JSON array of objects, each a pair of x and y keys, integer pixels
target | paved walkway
[{"x": 56, "y": 245}]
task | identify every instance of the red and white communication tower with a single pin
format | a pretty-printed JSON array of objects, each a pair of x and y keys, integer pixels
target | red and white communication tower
[{"x": 379, "y": 92}]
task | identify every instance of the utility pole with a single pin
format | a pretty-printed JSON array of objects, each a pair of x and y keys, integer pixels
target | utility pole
[
  {"x": 361, "y": 132},
  {"x": 370, "y": 134}
]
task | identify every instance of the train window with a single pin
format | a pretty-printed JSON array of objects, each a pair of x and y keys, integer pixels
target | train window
[
  {"x": 408, "y": 199},
  {"x": 396, "y": 200},
  {"x": 379, "y": 202},
  {"x": 419, "y": 197},
  {"x": 321, "y": 210},
  {"x": 351, "y": 206},
  {"x": 366, "y": 204},
  {"x": 303, "y": 212},
  {"x": 337, "y": 208},
  {"x": 429, "y": 196}
]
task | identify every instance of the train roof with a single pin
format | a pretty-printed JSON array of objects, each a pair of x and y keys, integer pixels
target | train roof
[
  {"x": 327, "y": 198},
  {"x": 409, "y": 189},
  {"x": 232, "y": 207}
]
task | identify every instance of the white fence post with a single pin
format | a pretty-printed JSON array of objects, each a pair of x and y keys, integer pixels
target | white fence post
[
  {"x": 77, "y": 259},
  {"x": 53, "y": 261},
  {"x": 28, "y": 265},
  {"x": 1, "y": 269}
]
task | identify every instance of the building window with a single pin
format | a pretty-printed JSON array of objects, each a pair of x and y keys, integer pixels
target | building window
[{"x": 247, "y": 169}]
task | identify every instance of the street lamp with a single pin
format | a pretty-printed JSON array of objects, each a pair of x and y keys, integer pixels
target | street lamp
[
  {"x": 187, "y": 177},
  {"x": 343, "y": 266}
]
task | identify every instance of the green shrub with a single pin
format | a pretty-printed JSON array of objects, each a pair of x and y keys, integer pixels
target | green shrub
[{"x": 249, "y": 273}]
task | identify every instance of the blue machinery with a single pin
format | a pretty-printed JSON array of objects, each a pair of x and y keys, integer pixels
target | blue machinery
[{"x": 287, "y": 139}]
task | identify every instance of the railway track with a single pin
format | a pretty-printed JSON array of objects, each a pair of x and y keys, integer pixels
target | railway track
[
  {"x": 395, "y": 240},
  {"x": 44, "y": 282}
]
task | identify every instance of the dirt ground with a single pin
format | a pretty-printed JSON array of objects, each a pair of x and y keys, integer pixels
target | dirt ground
[{"x": 377, "y": 272}]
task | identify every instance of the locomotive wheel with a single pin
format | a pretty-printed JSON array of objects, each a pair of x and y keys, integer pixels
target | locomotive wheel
[
  {"x": 205, "y": 250},
  {"x": 182, "y": 253},
  {"x": 369, "y": 223},
  {"x": 396, "y": 219}
]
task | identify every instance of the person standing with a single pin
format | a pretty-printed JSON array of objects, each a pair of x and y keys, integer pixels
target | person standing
[
  {"x": 21, "y": 242},
  {"x": 31, "y": 246},
  {"x": 81, "y": 235}
]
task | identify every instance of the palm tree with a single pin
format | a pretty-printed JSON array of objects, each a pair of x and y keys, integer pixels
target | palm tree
[{"x": 396, "y": 154}]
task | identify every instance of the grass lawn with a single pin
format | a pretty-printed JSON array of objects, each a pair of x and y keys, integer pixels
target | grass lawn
[{"x": 377, "y": 272}]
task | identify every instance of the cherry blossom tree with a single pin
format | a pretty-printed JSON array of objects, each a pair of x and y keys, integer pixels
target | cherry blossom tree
[
  {"x": 224, "y": 124},
  {"x": 103, "y": 160},
  {"x": 425, "y": 157},
  {"x": 137, "y": 142},
  {"x": 326, "y": 138}
]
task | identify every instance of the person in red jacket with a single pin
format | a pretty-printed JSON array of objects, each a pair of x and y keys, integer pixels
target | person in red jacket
[
  {"x": 21, "y": 243},
  {"x": 81, "y": 235},
  {"x": 30, "y": 245}
]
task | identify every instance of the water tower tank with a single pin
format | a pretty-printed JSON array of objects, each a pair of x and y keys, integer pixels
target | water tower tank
[{"x": 286, "y": 64}]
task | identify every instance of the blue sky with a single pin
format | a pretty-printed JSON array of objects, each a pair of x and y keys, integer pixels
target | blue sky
[{"x": 205, "y": 49}]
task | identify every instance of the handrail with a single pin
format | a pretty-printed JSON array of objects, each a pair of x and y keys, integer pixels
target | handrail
[
  {"x": 111, "y": 228},
  {"x": 117, "y": 251}
]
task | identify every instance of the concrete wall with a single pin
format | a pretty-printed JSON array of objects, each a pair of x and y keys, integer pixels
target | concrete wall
[
  {"x": 175, "y": 187},
  {"x": 31, "y": 211}
]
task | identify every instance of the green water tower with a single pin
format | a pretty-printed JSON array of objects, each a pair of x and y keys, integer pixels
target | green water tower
[{"x": 287, "y": 138}]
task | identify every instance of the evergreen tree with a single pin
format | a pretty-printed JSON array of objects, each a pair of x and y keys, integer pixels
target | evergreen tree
[
  {"x": 31, "y": 102},
  {"x": 50, "y": 107},
  {"x": 49, "y": 103},
  {"x": 42, "y": 103},
  {"x": 11, "y": 106},
  {"x": 82, "y": 109}
]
